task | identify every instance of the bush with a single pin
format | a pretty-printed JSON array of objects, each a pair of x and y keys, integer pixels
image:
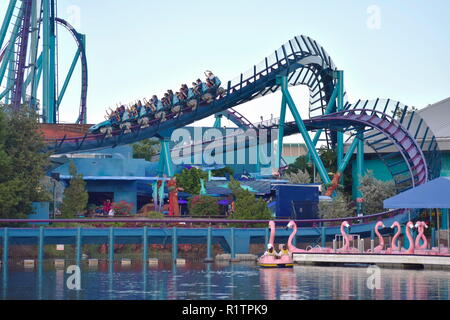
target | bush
[
  {"x": 122, "y": 207},
  {"x": 203, "y": 206},
  {"x": 22, "y": 162},
  {"x": 189, "y": 180},
  {"x": 75, "y": 196},
  {"x": 374, "y": 191},
  {"x": 153, "y": 215},
  {"x": 300, "y": 177},
  {"x": 248, "y": 207},
  {"x": 222, "y": 172},
  {"x": 338, "y": 207}
]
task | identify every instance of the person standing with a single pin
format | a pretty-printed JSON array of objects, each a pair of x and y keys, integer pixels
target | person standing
[{"x": 106, "y": 206}]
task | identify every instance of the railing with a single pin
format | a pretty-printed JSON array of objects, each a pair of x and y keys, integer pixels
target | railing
[{"x": 203, "y": 220}]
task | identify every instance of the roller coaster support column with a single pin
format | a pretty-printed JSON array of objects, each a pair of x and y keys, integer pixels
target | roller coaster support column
[
  {"x": 70, "y": 73},
  {"x": 345, "y": 161},
  {"x": 282, "y": 81},
  {"x": 9, "y": 54},
  {"x": 331, "y": 107},
  {"x": 6, "y": 21},
  {"x": 340, "y": 107},
  {"x": 281, "y": 131},
  {"x": 359, "y": 171},
  {"x": 165, "y": 167},
  {"x": 49, "y": 60},
  {"x": 35, "y": 61},
  {"x": 218, "y": 121}
]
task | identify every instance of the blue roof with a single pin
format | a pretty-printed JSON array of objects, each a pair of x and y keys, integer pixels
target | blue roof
[
  {"x": 259, "y": 187},
  {"x": 433, "y": 194}
]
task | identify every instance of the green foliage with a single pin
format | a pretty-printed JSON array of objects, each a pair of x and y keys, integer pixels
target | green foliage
[
  {"x": 22, "y": 162},
  {"x": 235, "y": 187},
  {"x": 300, "y": 177},
  {"x": 145, "y": 149},
  {"x": 223, "y": 172},
  {"x": 300, "y": 164},
  {"x": 337, "y": 208},
  {"x": 248, "y": 207},
  {"x": 189, "y": 180},
  {"x": 153, "y": 215},
  {"x": 203, "y": 206},
  {"x": 328, "y": 157},
  {"x": 374, "y": 191},
  {"x": 329, "y": 160},
  {"x": 75, "y": 196}
]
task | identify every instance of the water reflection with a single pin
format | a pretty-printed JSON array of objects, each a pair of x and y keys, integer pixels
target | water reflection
[{"x": 223, "y": 281}]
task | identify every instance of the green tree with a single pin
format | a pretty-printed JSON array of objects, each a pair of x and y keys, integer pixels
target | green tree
[
  {"x": 248, "y": 207},
  {"x": 75, "y": 196},
  {"x": 338, "y": 207},
  {"x": 223, "y": 172},
  {"x": 300, "y": 164},
  {"x": 189, "y": 180},
  {"x": 374, "y": 191},
  {"x": 203, "y": 206},
  {"x": 22, "y": 162},
  {"x": 145, "y": 149},
  {"x": 300, "y": 177}
]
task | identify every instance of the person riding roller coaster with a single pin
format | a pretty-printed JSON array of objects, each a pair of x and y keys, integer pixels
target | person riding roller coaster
[{"x": 185, "y": 99}]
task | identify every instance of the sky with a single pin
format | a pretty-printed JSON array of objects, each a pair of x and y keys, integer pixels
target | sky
[{"x": 136, "y": 48}]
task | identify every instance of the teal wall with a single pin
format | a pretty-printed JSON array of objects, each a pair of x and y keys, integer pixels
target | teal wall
[{"x": 445, "y": 171}]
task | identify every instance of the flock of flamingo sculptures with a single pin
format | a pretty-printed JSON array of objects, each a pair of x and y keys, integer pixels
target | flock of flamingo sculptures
[{"x": 418, "y": 246}]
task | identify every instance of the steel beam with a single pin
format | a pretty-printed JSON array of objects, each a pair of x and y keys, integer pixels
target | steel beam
[{"x": 282, "y": 80}]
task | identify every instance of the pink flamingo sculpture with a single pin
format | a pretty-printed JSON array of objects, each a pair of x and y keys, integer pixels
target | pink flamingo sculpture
[
  {"x": 291, "y": 247},
  {"x": 272, "y": 261},
  {"x": 380, "y": 247},
  {"x": 423, "y": 249},
  {"x": 421, "y": 225},
  {"x": 410, "y": 250},
  {"x": 266, "y": 259},
  {"x": 394, "y": 249},
  {"x": 346, "y": 248}
]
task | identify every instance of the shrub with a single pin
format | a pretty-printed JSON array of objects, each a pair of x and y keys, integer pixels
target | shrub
[
  {"x": 75, "y": 196},
  {"x": 338, "y": 207},
  {"x": 374, "y": 191},
  {"x": 203, "y": 206},
  {"x": 122, "y": 207},
  {"x": 189, "y": 180},
  {"x": 248, "y": 207}
]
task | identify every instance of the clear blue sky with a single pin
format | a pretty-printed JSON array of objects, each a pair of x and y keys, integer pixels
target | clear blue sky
[{"x": 140, "y": 47}]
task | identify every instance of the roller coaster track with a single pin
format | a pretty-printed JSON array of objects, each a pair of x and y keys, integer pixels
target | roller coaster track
[
  {"x": 20, "y": 69},
  {"x": 84, "y": 69},
  {"x": 238, "y": 119},
  {"x": 303, "y": 62}
]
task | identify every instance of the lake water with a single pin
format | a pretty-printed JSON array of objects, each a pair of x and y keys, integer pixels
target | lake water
[{"x": 198, "y": 281}]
